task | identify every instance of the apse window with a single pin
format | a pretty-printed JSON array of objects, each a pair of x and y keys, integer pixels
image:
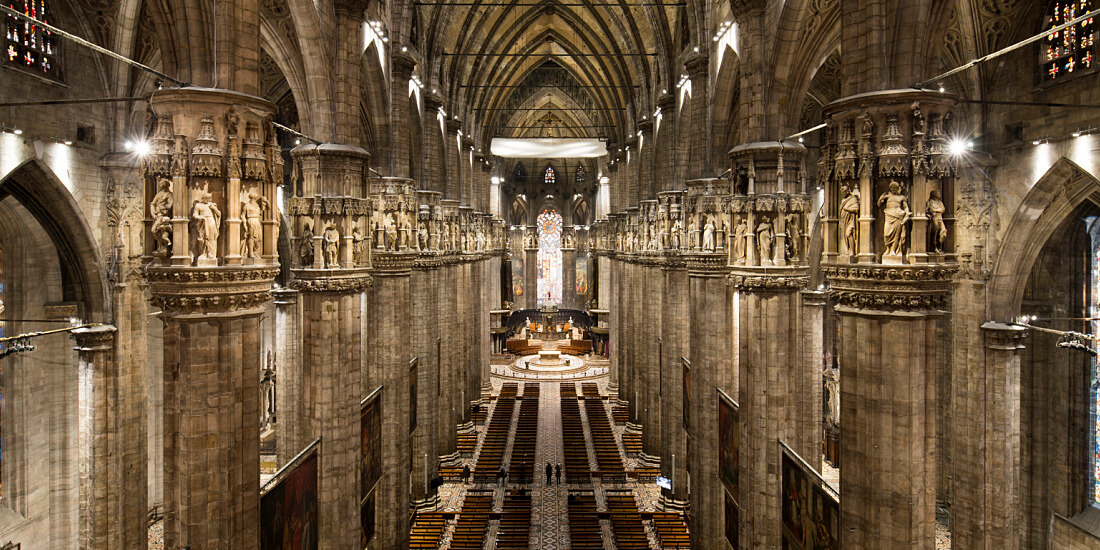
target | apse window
[
  {"x": 1072, "y": 50},
  {"x": 548, "y": 176},
  {"x": 30, "y": 46},
  {"x": 549, "y": 257}
]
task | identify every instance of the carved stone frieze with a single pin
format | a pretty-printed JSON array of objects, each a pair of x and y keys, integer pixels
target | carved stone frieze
[
  {"x": 332, "y": 284},
  {"x": 890, "y": 287},
  {"x": 764, "y": 282}
]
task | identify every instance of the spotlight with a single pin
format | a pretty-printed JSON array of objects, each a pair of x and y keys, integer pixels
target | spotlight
[
  {"x": 17, "y": 132},
  {"x": 298, "y": 141},
  {"x": 800, "y": 140},
  {"x": 1076, "y": 134},
  {"x": 141, "y": 147},
  {"x": 957, "y": 147},
  {"x": 941, "y": 88},
  {"x": 68, "y": 142},
  {"x": 1035, "y": 142}
]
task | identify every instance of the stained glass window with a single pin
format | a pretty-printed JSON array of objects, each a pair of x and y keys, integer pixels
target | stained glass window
[
  {"x": 28, "y": 45},
  {"x": 548, "y": 176},
  {"x": 1069, "y": 50},
  {"x": 549, "y": 257},
  {"x": 580, "y": 174}
]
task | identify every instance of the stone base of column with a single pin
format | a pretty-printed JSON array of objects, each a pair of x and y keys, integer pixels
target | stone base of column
[
  {"x": 632, "y": 428},
  {"x": 466, "y": 427},
  {"x": 450, "y": 460},
  {"x": 429, "y": 504},
  {"x": 648, "y": 461},
  {"x": 613, "y": 391},
  {"x": 669, "y": 504}
]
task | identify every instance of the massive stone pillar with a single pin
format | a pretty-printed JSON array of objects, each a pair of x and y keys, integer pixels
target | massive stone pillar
[
  {"x": 391, "y": 354},
  {"x": 531, "y": 272},
  {"x": 330, "y": 220},
  {"x": 569, "y": 277},
  {"x": 290, "y": 429},
  {"x": 113, "y": 489},
  {"x": 674, "y": 342},
  {"x": 710, "y": 368},
  {"x": 775, "y": 383},
  {"x": 213, "y": 155},
  {"x": 986, "y": 508},
  {"x": 888, "y": 287}
]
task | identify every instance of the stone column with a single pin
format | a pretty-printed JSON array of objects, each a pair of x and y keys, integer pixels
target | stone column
[
  {"x": 674, "y": 342},
  {"x": 531, "y": 276},
  {"x": 888, "y": 317},
  {"x": 653, "y": 311},
  {"x": 697, "y": 162},
  {"x": 666, "y": 152},
  {"x": 711, "y": 368},
  {"x": 986, "y": 508},
  {"x": 453, "y": 170},
  {"x": 773, "y": 382},
  {"x": 113, "y": 487},
  {"x": 569, "y": 278},
  {"x": 390, "y": 352},
  {"x": 614, "y": 333},
  {"x": 643, "y": 172},
  {"x": 400, "y": 117},
  {"x": 211, "y": 405},
  {"x": 424, "y": 328},
  {"x": 213, "y": 151},
  {"x": 434, "y": 148},
  {"x": 290, "y": 429},
  {"x": 447, "y": 351}
]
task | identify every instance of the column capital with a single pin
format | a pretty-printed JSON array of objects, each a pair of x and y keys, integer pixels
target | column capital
[
  {"x": 666, "y": 103},
  {"x": 911, "y": 288},
  {"x": 769, "y": 279},
  {"x": 697, "y": 64},
  {"x": 645, "y": 126},
  {"x": 1004, "y": 337},
  {"x": 187, "y": 291},
  {"x": 97, "y": 338},
  {"x": 403, "y": 64}
]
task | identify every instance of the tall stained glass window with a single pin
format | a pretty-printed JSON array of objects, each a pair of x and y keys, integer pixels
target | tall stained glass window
[
  {"x": 548, "y": 176},
  {"x": 27, "y": 45},
  {"x": 1070, "y": 50},
  {"x": 549, "y": 257},
  {"x": 580, "y": 175}
]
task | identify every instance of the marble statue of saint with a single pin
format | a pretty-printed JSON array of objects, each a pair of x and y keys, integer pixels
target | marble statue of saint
[
  {"x": 794, "y": 235},
  {"x": 391, "y": 232},
  {"x": 252, "y": 233},
  {"x": 849, "y": 215},
  {"x": 677, "y": 232},
  {"x": 937, "y": 230},
  {"x": 422, "y": 235},
  {"x": 207, "y": 220},
  {"x": 405, "y": 230},
  {"x": 764, "y": 238},
  {"x": 161, "y": 208},
  {"x": 708, "y": 236},
  {"x": 331, "y": 239},
  {"x": 895, "y": 211},
  {"x": 693, "y": 234},
  {"x": 305, "y": 247},
  {"x": 739, "y": 236},
  {"x": 358, "y": 246}
]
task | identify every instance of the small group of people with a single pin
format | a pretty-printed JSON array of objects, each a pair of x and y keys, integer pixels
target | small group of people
[{"x": 550, "y": 470}]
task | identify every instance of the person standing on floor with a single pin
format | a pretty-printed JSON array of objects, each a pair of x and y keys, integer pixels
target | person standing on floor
[
  {"x": 465, "y": 474},
  {"x": 558, "y": 471},
  {"x": 549, "y": 473}
]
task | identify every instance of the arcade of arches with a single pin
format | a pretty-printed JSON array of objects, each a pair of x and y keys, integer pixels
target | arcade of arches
[{"x": 764, "y": 278}]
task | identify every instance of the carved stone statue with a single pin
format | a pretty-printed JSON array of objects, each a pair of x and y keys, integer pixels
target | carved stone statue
[
  {"x": 764, "y": 238},
  {"x": 331, "y": 239},
  {"x": 406, "y": 228},
  {"x": 422, "y": 235},
  {"x": 708, "y": 236},
  {"x": 895, "y": 212},
  {"x": 849, "y": 215},
  {"x": 693, "y": 234},
  {"x": 252, "y": 232},
  {"x": 677, "y": 232},
  {"x": 305, "y": 247},
  {"x": 161, "y": 208},
  {"x": 207, "y": 220},
  {"x": 794, "y": 235},
  {"x": 937, "y": 230},
  {"x": 391, "y": 232},
  {"x": 359, "y": 246},
  {"x": 739, "y": 236}
]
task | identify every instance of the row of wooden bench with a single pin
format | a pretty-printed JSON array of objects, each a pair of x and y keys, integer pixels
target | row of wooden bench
[
  {"x": 521, "y": 468},
  {"x": 574, "y": 446},
  {"x": 626, "y": 522},
  {"x": 426, "y": 530},
  {"x": 584, "y": 522},
  {"x": 608, "y": 458},
  {"x": 672, "y": 532},
  {"x": 473, "y": 521},
  {"x": 496, "y": 436},
  {"x": 515, "y": 521}
]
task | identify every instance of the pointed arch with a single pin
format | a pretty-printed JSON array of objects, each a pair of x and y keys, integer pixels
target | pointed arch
[
  {"x": 1054, "y": 197},
  {"x": 36, "y": 187}
]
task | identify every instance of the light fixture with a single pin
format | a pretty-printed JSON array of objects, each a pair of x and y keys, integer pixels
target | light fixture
[
  {"x": 17, "y": 132},
  {"x": 68, "y": 142},
  {"x": 941, "y": 88},
  {"x": 957, "y": 147},
  {"x": 800, "y": 140},
  {"x": 298, "y": 141},
  {"x": 1035, "y": 142},
  {"x": 404, "y": 49},
  {"x": 1076, "y": 134}
]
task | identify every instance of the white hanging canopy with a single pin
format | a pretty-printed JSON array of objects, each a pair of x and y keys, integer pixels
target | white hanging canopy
[{"x": 547, "y": 148}]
